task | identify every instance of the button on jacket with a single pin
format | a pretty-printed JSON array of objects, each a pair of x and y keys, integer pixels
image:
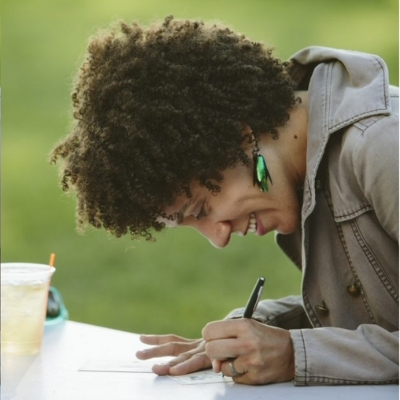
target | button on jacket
[{"x": 344, "y": 327}]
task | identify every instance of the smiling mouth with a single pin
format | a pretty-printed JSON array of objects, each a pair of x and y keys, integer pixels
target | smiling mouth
[{"x": 252, "y": 228}]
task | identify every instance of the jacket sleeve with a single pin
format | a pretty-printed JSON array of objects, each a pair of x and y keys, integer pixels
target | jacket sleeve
[
  {"x": 286, "y": 313},
  {"x": 332, "y": 356},
  {"x": 336, "y": 356}
]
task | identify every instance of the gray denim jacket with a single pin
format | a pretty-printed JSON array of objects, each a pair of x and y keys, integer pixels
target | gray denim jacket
[{"x": 344, "y": 327}]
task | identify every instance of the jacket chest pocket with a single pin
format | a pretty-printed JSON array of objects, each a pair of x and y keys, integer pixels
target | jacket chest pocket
[
  {"x": 374, "y": 259},
  {"x": 352, "y": 269},
  {"x": 332, "y": 291}
]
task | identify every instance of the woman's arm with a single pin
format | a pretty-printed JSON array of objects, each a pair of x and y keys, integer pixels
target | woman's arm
[{"x": 335, "y": 356}]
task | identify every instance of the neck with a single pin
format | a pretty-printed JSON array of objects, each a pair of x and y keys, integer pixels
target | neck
[{"x": 291, "y": 146}]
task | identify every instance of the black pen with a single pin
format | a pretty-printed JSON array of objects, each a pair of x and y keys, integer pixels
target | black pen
[{"x": 254, "y": 298}]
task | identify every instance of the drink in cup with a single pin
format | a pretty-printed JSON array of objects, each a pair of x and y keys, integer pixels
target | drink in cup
[{"x": 24, "y": 293}]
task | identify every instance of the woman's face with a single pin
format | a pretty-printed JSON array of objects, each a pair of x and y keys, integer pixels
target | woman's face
[{"x": 240, "y": 207}]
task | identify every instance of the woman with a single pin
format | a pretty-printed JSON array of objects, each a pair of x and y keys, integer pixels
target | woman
[{"x": 191, "y": 124}]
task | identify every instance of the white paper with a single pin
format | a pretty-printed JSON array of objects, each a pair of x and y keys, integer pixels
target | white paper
[
  {"x": 201, "y": 377},
  {"x": 137, "y": 366}
]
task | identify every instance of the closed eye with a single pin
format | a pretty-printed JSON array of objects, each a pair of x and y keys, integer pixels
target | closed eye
[
  {"x": 204, "y": 210},
  {"x": 201, "y": 214}
]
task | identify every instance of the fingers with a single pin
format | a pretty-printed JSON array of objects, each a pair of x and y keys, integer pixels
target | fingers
[
  {"x": 225, "y": 329},
  {"x": 183, "y": 364},
  {"x": 162, "y": 339},
  {"x": 245, "y": 377},
  {"x": 216, "y": 365},
  {"x": 161, "y": 369},
  {"x": 237, "y": 371},
  {"x": 224, "y": 349},
  {"x": 194, "y": 363},
  {"x": 227, "y": 339},
  {"x": 257, "y": 355},
  {"x": 190, "y": 354},
  {"x": 233, "y": 368},
  {"x": 168, "y": 349}
]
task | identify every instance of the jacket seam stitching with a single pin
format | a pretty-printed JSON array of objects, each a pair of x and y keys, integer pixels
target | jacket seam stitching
[
  {"x": 365, "y": 127},
  {"x": 287, "y": 316},
  {"x": 356, "y": 278},
  {"x": 386, "y": 95},
  {"x": 374, "y": 262},
  {"x": 386, "y": 100},
  {"x": 366, "y": 207},
  {"x": 305, "y": 357},
  {"x": 326, "y": 379},
  {"x": 354, "y": 119},
  {"x": 326, "y": 97},
  {"x": 310, "y": 312},
  {"x": 346, "y": 252}
]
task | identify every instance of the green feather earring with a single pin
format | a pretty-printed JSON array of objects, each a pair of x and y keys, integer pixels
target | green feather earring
[{"x": 260, "y": 173}]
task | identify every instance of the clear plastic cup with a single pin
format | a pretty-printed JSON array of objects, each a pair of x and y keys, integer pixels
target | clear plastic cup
[{"x": 24, "y": 293}]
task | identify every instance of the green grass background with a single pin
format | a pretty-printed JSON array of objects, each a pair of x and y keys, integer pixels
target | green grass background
[{"x": 180, "y": 282}]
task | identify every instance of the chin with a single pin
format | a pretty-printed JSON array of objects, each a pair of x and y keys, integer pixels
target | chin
[
  {"x": 284, "y": 232},
  {"x": 288, "y": 228}
]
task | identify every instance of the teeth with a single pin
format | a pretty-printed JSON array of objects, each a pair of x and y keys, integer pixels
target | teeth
[{"x": 252, "y": 224}]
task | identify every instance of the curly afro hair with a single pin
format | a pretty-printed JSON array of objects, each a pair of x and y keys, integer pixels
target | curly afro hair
[{"x": 157, "y": 108}]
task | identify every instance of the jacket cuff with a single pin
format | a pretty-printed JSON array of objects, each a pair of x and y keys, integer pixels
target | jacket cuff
[
  {"x": 300, "y": 357},
  {"x": 337, "y": 356}
]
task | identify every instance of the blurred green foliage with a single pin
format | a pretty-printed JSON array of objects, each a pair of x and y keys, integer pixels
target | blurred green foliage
[{"x": 180, "y": 282}]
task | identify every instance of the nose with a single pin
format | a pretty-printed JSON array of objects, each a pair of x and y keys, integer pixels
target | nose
[{"x": 218, "y": 233}]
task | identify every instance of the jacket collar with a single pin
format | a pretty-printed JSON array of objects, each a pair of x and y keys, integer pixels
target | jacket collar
[
  {"x": 343, "y": 87},
  {"x": 350, "y": 76}
]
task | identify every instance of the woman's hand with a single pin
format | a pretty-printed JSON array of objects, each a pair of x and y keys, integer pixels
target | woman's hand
[
  {"x": 260, "y": 353},
  {"x": 189, "y": 354}
]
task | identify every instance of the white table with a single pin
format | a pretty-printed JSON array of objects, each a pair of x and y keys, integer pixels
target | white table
[{"x": 54, "y": 374}]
